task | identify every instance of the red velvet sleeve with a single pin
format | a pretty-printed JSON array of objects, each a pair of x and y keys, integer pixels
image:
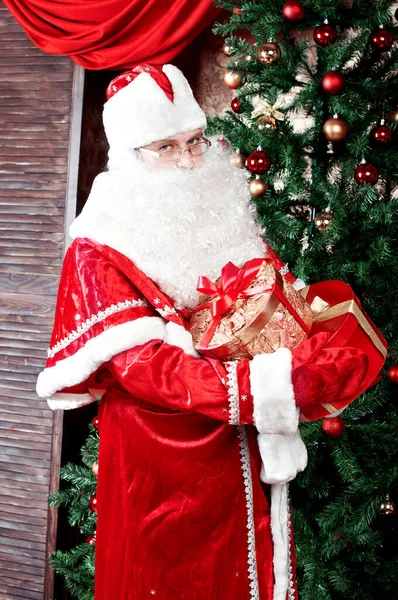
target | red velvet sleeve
[
  {"x": 163, "y": 374},
  {"x": 324, "y": 375}
]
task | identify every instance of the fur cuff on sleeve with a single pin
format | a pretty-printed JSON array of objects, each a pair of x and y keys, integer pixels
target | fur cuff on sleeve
[
  {"x": 299, "y": 284},
  {"x": 176, "y": 335},
  {"x": 283, "y": 456},
  {"x": 272, "y": 390}
]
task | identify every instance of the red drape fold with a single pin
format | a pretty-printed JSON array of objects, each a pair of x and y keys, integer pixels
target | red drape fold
[{"x": 113, "y": 34}]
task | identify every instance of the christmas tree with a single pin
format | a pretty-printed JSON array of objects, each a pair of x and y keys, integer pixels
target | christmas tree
[
  {"x": 78, "y": 495},
  {"x": 314, "y": 121}
]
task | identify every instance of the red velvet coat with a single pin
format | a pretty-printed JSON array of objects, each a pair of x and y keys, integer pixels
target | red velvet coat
[{"x": 182, "y": 513}]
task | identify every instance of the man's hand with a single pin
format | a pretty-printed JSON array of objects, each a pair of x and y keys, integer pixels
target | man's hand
[{"x": 322, "y": 374}]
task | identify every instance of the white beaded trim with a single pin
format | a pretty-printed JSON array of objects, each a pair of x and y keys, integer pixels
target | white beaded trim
[
  {"x": 97, "y": 318},
  {"x": 233, "y": 393},
  {"x": 166, "y": 311},
  {"x": 284, "y": 270},
  {"x": 251, "y": 537},
  {"x": 291, "y": 590}
]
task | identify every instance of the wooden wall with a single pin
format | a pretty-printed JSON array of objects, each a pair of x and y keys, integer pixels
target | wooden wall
[{"x": 36, "y": 94}]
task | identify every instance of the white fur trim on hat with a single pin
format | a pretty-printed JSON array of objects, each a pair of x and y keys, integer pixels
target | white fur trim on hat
[
  {"x": 141, "y": 113},
  {"x": 273, "y": 395}
]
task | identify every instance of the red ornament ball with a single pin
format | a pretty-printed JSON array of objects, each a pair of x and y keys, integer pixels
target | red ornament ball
[
  {"x": 381, "y": 40},
  {"x": 333, "y": 82},
  {"x": 382, "y": 134},
  {"x": 236, "y": 105},
  {"x": 334, "y": 427},
  {"x": 293, "y": 11},
  {"x": 366, "y": 173},
  {"x": 393, "y": 373},
  {"x": 91, "y": 539},
  {"x": 93, "y": 503},
  {"x": 325, "y": 35},
  {"x": 95, "y": 423},
  {"x": 237, "y": 10},
  {"x": 258, "y": 162}
]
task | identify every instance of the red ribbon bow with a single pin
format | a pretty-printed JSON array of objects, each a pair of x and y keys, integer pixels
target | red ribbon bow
[{"x": 233, "y": 283}]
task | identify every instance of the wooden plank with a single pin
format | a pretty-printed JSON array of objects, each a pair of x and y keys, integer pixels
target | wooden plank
[
  {"x": 38, "y": 483},
  {"x": 11, "y": 558},
  {"x": 21, "y": 564},
  {"x": 24, "y": 248},
  {"x": 28, "y": 396},
  {"x": 10, "y": 593},
  {"x": 28, "y": 283},
  {"x": 31, "y": 519},
  {"x": 32, "y": 539},
  {"x": 27, "y": 512},
  {"x": 15, "y": 418},
  {"x": 11, "y": 582},
  {"x": 23, "y": 440},
  {"x": 11, "y": 261},
  {"x": 37, "y": 454},
  {"x": 21, "y": 364},
  {"x": 28, "y": 548}
]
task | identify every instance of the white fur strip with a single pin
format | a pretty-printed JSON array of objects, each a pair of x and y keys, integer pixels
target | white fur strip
[
  {"x": 176, "y": 335},
  {"x": 61, "y": 401},
  {"x": 272, "y": 390},
  {"x": 279, "y": 529},
  {"x": 283, "y": 456}
]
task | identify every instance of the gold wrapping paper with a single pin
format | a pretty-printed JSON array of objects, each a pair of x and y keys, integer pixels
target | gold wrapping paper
[
  {"x": 325, "y": 312},
  {"x": 257, "y": 324}
]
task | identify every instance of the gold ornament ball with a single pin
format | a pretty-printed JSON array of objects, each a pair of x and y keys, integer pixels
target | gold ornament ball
[
  {"x": 323, "y": 220},
  {"x": 227, "y": 49},
  {"x": 232, "y": 79},
  {"x": 387, "y": 507},
  {"x": 335, "y": 130},
  {"x": 94, "y": 468},
  {"x": 258, "y": 187},
  {"x": 392, "y": 115},
  {"x": 269, "y": 53},
  {"x": 267, "y": 122},
  {"x": 238, "y": 160}
]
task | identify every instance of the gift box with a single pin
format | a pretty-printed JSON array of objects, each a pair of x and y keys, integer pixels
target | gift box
[
  {"x": 338, "y": 312},
  {"x": 248, "y": 311}
]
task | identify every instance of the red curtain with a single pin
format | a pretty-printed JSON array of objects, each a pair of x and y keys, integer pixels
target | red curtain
[{"x": 113, "y": 34}]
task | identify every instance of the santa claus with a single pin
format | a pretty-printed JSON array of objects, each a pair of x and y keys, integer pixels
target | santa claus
[{"x": 188, "y": 445}]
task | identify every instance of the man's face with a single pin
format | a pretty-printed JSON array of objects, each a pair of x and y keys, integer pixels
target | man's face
[{"x": 167, "y": 159}]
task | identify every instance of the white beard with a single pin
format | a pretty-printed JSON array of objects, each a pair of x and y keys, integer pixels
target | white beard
[{"x": 174, "y": 224}]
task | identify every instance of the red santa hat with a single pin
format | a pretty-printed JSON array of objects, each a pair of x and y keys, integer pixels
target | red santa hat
[{"x": 149, "y": 103}]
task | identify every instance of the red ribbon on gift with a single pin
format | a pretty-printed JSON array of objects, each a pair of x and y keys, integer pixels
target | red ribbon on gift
[{"x": 233, "y": 284}]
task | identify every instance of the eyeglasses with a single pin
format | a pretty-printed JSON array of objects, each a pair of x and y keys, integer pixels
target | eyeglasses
[{"x": 176, "y": 153}]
